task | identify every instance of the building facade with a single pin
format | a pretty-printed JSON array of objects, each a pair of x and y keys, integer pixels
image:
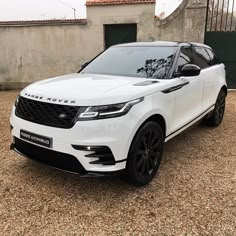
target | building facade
[{"x": 35, "y": 50}]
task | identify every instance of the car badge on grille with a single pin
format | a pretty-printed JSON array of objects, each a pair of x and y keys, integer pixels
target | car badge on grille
[{"x": 62, "y": 116}]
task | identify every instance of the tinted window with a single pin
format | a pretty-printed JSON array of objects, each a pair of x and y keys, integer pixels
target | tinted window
[
  {"x": 214, "y": 59},
  {"x": 148, "y": 62},
  {"x": 202, "y": 58},
  {"x": 186, "y": 57}
]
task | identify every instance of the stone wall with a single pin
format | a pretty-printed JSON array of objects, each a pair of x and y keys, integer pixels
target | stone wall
[
  {"x": 186, "y": 23},
  {"x": 31, "y": 52}
]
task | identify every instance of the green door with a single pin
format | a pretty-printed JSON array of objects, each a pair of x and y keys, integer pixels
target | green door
[
  {"x": 221, "y": 35},
  {"x": 223, "y": 44},
  {"x": 120, "y": 33}
]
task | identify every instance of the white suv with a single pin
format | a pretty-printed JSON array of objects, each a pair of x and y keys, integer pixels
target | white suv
[{"x": 117, "y": 112}]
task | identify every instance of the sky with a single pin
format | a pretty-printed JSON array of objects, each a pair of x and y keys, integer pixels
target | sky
[{"x": 58, "y": 9}]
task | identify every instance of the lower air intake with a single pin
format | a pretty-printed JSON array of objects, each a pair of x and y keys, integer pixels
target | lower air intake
[{"x": 49, "y": 157}]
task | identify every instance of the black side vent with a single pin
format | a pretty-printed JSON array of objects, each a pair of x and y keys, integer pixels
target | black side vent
[
  {"x": 146, "y": 83},
  {"x": 101, "y": 154}
]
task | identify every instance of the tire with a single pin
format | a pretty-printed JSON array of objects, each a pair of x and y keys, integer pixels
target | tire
[
  {"x": 145, "y": 154},
  {"x": 218, "y": 113}
]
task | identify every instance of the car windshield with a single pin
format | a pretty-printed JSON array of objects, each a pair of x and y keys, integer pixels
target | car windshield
[{"x": 145, "y": 62}]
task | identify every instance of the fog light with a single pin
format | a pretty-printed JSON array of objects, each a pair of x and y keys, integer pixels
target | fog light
[{"x": 102, "y": 155}]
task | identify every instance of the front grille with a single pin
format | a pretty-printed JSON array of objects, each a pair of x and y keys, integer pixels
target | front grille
[
  {"x": 59, "y": 116},
  {"x": 49, "y": 157}
]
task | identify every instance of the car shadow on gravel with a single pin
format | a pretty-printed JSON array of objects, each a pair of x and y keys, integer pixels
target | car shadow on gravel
[{"x": 55, "y": 177}]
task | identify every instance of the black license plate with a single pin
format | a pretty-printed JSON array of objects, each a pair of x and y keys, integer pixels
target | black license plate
[{"x": 35, "y": 138}]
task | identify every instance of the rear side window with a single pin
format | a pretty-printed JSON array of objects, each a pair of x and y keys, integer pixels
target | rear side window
[
  {"x": 185, "y": 57},
  {"x": 202, "y": 58},
  {"x": 213, "y": 57}
]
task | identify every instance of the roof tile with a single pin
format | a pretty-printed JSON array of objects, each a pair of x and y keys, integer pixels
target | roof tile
[
  {"x": 39, "y": 22},
  {"x": 116, "y": 2}
]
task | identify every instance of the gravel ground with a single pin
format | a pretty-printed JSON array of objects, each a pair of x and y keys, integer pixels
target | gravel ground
[{"x": 194, "y": 193}]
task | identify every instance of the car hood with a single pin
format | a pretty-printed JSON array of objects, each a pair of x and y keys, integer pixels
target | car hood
[{"x": 88, "y": 89}]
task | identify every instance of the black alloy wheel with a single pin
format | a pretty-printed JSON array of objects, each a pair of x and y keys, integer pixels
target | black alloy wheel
[
  {"x": 145, "y": 154},
  {"x": 219, "y": 110}
]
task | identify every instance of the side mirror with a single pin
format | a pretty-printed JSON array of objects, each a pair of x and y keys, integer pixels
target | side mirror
[
  {"x": 84, "y": 64},
  {"x": 190, "y": 70}
]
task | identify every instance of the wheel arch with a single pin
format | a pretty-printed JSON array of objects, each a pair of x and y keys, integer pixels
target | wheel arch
[
  {"x": 158, "y": 118},
  {"x": 225, "y": 89}
]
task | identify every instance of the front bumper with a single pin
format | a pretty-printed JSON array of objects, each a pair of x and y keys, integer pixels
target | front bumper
[
  {"x": 116, "y": 134},
  {"x": 57, "y": 160},
  {"x": 52, "y": 158}
]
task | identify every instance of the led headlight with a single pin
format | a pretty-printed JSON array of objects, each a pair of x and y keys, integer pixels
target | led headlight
[
  {"x": 107, "y": 111},
  {"x": 17, "y": 100}
]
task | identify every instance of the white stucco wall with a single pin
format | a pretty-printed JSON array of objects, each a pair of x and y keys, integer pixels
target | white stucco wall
[{"x": 31, "y": 53}]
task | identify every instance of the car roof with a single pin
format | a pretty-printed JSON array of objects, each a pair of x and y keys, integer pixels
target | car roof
[{"x": 162, "y": 44}]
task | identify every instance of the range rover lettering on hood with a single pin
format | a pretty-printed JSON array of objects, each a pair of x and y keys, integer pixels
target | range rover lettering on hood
[{"x": 50, "y": 99}]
